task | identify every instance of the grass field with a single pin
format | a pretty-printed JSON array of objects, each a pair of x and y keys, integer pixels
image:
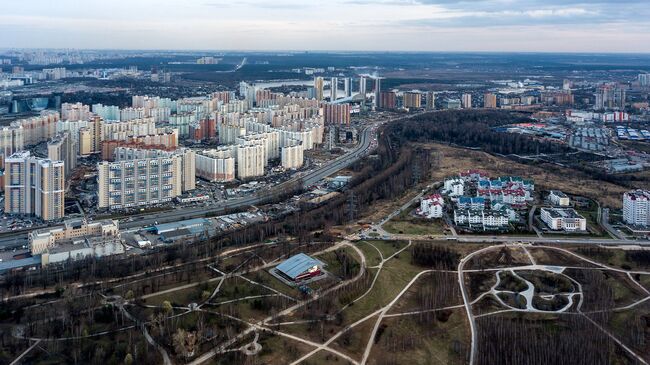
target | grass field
[
  {"x": 387, "y": 248},
  {"x": 415, "y": 226},
  {"x": 405, "y": 223},
  {"x": 372, "y": 255},
  {"x": 393, "y": 277}
]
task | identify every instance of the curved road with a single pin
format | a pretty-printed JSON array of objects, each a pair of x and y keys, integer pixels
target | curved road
[{"x": 18, "y": 239}]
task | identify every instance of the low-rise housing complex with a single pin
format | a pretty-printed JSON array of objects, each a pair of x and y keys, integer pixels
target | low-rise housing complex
[
  {"x": 432, "y": 206},
  {"x": 487, "y": 203},
  {"x": 558, "y": 198}
]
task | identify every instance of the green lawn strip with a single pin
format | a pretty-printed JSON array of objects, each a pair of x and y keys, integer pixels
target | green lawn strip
[
  {"x": 394, "y": 276},
  {"x": 372, "y": 256},
  {"x": 415, "y": 226},
  {"x": 388, "y": 248}
]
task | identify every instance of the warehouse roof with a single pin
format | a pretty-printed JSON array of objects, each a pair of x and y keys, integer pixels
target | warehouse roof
[{"x": 297, "y": 264}]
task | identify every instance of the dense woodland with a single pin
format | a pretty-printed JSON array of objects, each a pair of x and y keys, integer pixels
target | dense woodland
[
  {"x": 474, "y": 128},
  {"x": 552, "y": 340}
]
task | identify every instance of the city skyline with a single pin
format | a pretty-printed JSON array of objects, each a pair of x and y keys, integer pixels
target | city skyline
[{"x": 345, "y": 25}]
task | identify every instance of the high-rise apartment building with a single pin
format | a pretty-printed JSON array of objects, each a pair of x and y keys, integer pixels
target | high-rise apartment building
[
  {"x": 347, "y": 87},
  {"x": 292, "y": 156},
  {"x": 144, "y": 177},
  {"x": 378, "y": 103},
  {"x": 430, "y": 100},
  {"x": 610, "y": 96},
  {"x": 387, "y": 100},
  {"x": 412, "y": 100},
  {"x": 338, "y": 114},
  {"x": 12, "y": 140},
  {"x": 63, "y": 148},
  {"x": 34, "y": 186},
  {"x": 107, "y": 112},
  {"x": 90, "y": 137},
  {"x": 251, "y": 159},
  {"x": 362, "y": 86},
  {"x": 76, "y": 111},
  {"x": 216, "y": 165},
  {"x": 636, "y": 208},
  {"x": 489, "y": 101},
  {"x": 318, "y": 87},
  {"x": 644, "y": 79},
  {"x": 466, "y": 100},
  {"x": 38, "y": 129},
  {"x": 334, "y": 88}
]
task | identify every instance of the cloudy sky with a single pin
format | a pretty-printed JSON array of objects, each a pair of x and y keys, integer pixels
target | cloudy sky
[{"x": 405, "y": 25}]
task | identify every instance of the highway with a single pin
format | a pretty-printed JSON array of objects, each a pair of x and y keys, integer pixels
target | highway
[
  {"x": 18, "y": 239},
  {"x": 308, "y": 179}
]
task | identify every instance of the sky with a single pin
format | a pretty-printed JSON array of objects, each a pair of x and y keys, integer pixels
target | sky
[{"x": 354, "y": 25}]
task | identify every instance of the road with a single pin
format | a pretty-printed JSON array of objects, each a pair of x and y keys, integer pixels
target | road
[
  {"x": 367, "y": 136},
  {"x": 308, "y": 179},
  {"x": 513, "y": 239}
]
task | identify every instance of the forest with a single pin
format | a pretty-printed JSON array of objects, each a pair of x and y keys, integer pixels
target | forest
[{"x": 474, "y": 129}]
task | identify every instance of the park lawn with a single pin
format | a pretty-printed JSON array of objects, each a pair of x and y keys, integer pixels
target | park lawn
[
  {"x": 625, "y": 323},
  {"x": 279, "y": 350},
  {"x": 645, "y": 281},
  {"x": 243, "y": 309},
  {"x": 394, "y": 276},
  {"x": 323, "y": 357},
  {"x": 414, "y": 226},
  {"x": 183, "y": 297},
  {"x": 371, "y": 254},
  {"x": 168, "y": 282},
  {"x": 445, "y": 341},
  {"x": 388, "y": 248},
  {"x": 625, "y": 291},
  {"x": 264, "y": 277},
  {"x": 354, "y": 341},
  {"x": 236, "y": 287},
  {"x": 612, "y": 257}
]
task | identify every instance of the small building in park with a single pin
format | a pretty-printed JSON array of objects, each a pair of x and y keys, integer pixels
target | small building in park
[{"x": 299, "y": 267}]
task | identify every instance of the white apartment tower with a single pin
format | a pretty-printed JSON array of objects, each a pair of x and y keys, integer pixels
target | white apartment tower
[
  {"x": 362, "y": 86},
  {"x": 144, "y": 177},
  {"x": 334, "y": 87},
  {"x": 636, "y": 208}
]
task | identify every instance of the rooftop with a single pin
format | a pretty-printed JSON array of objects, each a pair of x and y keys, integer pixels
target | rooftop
[
  {"x": 298, "y": 264},
  {"x": 558, "y": 193},
  {"x": 166, "y": 227},
  {"x": 638, "y": 194},
  {"x": 562, "y": 213}
]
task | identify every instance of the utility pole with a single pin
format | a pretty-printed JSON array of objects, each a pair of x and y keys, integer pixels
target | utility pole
[
  {"x": 352, "y": 205},
  {"x": 417, "y": 172}
]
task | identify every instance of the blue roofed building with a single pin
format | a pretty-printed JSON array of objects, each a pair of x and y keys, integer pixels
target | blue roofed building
[
  {"x": 468, "y": 202},
  {"x": 300, "y": 267}
]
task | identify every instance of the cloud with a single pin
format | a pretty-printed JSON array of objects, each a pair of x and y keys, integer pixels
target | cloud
[{"x": 543, "y": 25}]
